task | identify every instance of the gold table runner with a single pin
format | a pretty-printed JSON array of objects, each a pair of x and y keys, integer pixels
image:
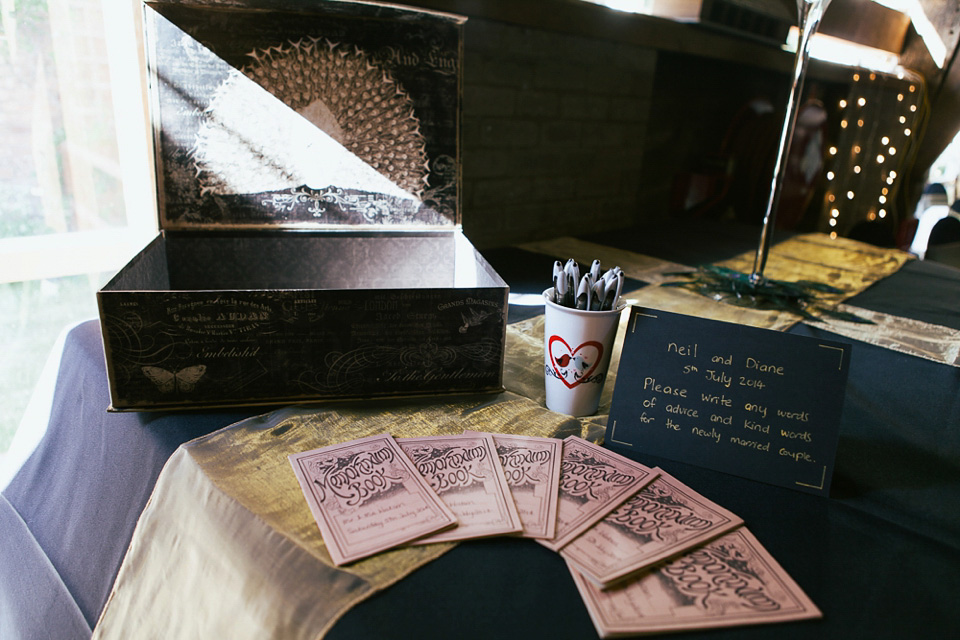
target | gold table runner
[
  {"x": 848, "y": 265},
  {"x": 904, "y": 335},
  {"x": 843, "y": 263}
]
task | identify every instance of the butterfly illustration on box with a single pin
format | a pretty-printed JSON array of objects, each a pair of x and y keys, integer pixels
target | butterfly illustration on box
[{"x": 183, "y": 381}]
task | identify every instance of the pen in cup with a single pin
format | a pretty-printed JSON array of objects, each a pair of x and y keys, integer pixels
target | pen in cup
[
  {"x": 580, "y": 323},
  {"x": 584, "y": 293},
  {"x": 558, "y": 278},
  {"x": 572, "y": 271}
]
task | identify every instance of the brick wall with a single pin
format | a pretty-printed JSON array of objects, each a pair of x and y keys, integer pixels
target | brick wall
[{"x": 553, "y": 132}]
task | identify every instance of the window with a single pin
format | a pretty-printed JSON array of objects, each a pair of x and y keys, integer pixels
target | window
[{"x": 76, "y": 187}]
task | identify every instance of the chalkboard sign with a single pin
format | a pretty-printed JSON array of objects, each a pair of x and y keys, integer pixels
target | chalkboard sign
[{"x": 756, "y": 403}]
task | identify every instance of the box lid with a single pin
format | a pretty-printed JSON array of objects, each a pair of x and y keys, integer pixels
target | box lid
[{"x": 304, "y": 115}]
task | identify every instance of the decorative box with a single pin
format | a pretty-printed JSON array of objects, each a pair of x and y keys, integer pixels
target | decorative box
[{"x": 308, "y": 187}]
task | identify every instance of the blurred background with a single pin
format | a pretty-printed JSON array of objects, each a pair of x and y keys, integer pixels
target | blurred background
[{"x": 578, "y": 116}]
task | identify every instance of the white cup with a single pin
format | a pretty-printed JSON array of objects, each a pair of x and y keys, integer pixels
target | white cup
[{"x": 576, "y": 355}]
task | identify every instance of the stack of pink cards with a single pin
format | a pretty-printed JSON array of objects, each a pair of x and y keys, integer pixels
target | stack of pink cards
[
  {"x": 661, "y": 520},
  {"x": 377, "y": 493},
  {"x": 669, "y": 559},
  {"x": 647, "y": 553},
  {"x": 730, "y": 581}
]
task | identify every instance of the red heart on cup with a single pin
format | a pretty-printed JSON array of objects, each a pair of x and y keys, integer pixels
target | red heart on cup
[{"x": 586, "y": 356}]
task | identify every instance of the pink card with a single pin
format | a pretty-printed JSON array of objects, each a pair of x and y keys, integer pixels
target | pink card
[
  {"x": 728, "y": 582},
  {"x": 593, "y": 482},
  {"x": 465, "y": 472},
  {"x": 366, "y": 496},
  {"x": 661, "y": 520},
  {"x": 532, "y": 467}
]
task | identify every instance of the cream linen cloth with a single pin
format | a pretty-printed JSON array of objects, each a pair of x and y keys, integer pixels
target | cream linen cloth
[{"x": 227, "y": 548}]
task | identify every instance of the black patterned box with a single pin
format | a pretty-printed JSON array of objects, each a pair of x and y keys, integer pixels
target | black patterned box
[{"x": 308, "y": 195}]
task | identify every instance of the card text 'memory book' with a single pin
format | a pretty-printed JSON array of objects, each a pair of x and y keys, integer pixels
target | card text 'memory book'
[{"x": 367, "y": 496}]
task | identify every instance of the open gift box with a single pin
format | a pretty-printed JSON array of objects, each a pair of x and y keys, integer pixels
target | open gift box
[{"x": 308, "y": 171}]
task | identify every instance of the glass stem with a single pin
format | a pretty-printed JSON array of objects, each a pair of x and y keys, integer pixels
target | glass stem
[{"x": 810, "y": 14}]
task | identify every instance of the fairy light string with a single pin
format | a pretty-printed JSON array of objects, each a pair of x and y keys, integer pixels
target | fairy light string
[{"x": 879, "y": 121}]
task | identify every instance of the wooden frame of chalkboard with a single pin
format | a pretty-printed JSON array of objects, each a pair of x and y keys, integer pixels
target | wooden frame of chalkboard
[{"x": 757, "y": 403}]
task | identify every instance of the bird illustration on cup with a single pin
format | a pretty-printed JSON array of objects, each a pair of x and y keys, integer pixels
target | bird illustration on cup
[{"x": 573, "y": 366}]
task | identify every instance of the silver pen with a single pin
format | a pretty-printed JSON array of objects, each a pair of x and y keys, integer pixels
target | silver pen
[
  {"x": 584, "y": 293},
  {"x": 560, "y": 289},
  {"x": 557, "y": 277}
]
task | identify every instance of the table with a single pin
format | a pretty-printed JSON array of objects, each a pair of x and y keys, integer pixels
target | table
[{"x": 880, "y": 557}]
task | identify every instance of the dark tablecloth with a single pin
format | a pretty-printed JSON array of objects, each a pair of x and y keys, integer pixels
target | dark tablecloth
[{"x": 880, "y": 557}]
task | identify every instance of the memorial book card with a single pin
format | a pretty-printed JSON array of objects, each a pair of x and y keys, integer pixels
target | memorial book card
[
  {"x": 465, "y": 472},
  {"x": 367, "y": 496},
  {"x": 662, "y": 520},
  {"x": 731, "y": 581},
  {"x": 531, "y": 465},
  {"x": 593, "y": 482}
]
